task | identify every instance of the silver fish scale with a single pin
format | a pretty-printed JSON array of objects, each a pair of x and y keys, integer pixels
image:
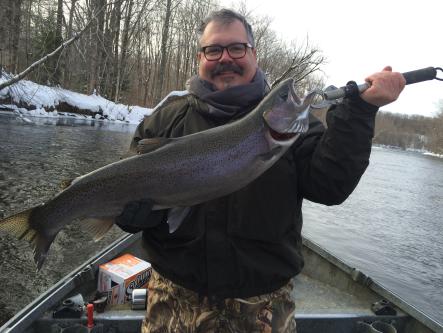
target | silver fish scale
[{"x": 184, "y": 172}]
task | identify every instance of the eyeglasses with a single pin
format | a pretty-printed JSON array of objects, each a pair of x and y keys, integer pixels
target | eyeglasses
[{"x": 235, "y": 51}]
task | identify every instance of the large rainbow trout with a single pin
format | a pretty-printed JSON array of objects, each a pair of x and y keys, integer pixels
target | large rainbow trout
[{"x": 171, "y": 172}]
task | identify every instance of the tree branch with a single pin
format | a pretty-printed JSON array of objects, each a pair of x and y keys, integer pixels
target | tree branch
[{"x": 28, "y": 70}]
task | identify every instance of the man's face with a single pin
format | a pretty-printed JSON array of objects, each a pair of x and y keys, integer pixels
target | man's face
[{"x": 226, "y": 72}]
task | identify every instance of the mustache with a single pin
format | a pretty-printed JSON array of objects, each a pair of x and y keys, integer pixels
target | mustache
[{"x": 220, "y": 68}]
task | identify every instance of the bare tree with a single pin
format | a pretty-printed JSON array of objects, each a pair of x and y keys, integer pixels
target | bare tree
[
  {"x": 139, "y": 50},
  {"x": 96, "y": 43},
  {"x": 117, "y": 15},
  {"x": 58, "y": 41},
  {"x": 436, "y": 136},
  {"x": 121, "y": 60},
  {"x": 68, "y": 57},
  {"x": 10, "y": 27},
  {"x": 163, "y": 49},
  {"x": 281, "y": 60},
  {"x": 42, "y": 60}
]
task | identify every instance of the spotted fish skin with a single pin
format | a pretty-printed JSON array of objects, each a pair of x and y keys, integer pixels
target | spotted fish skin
[{"x": 176, "y": 172}]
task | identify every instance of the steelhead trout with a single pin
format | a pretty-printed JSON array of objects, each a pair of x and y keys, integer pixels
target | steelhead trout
[{"x": 171, "y": 172}]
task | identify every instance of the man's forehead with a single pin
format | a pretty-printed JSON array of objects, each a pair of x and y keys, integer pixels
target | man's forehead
[{"x": 220, "y": 32}]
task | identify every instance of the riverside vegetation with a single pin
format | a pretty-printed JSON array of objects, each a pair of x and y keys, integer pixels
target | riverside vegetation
[
  {"x": 136, "y": 51},
  {"x": 407, "y": 131}
]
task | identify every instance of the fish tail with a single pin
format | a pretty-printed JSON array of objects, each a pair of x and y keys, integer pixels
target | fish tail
[{"x": 20, "y": 226}]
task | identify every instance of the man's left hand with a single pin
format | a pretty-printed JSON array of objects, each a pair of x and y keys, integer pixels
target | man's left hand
[{"x": 385, "y": 87}]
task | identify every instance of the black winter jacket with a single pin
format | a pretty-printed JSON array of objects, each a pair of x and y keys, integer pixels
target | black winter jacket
[{"x": 249, "y": 242}]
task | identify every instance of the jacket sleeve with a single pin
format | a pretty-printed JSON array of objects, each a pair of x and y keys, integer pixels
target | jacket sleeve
[
  {"x": 330, "y": 162},
  {"x": 146, "y": 129},
  {"x": 161, "y": 123}
]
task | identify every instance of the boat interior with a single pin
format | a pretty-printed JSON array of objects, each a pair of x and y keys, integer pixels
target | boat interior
[{"x": 330, "y": 296}]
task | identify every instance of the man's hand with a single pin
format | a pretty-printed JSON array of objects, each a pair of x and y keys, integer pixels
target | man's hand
[
  {"x": 138, "y": 216},
  {"x": 385, "y": 87}
]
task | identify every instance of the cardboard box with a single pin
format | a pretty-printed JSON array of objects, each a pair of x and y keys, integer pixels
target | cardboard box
[{"x": 121, "y": 275}]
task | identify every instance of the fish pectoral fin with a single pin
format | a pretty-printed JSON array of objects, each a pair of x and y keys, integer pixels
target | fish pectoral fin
[
  {"x": 97, "y": 226},
  {"x": 270, "y": 154},
  {"x": 20, "y": 226},
  {"x": 147, "y": 145},
  {"x": 176, "y": 215}
]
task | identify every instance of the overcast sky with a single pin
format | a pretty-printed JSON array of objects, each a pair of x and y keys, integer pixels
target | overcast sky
[{"x": 361, "y": 37}]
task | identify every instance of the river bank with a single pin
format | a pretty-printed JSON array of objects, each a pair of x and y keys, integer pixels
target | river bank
[{"x": 27, "y": 98}]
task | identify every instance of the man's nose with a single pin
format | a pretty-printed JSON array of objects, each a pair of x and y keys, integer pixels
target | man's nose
[{"x": 225, "y": 57}]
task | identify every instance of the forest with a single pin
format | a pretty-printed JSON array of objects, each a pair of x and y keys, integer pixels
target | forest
[{"x": 137, "y": 51}]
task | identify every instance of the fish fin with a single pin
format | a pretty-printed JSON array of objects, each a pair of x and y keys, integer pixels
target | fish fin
[
  {"x": 176, "y": 215},
  {"x": 147, "y": 145},
  {"x": 66, "y": 183},
  {"x": 97, "y": 226},
  {"x": 270, "y": 154},
  {"x": 41, "y": 248},
  {"x": 19, "y": 225}
]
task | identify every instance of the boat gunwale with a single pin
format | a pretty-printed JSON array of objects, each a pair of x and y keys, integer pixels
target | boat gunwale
[{"x": 363, "y": 279}]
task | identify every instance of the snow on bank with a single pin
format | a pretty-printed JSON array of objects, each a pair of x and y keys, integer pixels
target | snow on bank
[
  {"x": 46, "y": 98},
  {"x": 434, "y": 155},
  {"x": 419, "y": 151}
]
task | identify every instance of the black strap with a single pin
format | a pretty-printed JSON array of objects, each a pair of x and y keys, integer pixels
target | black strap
[{"x": 351, "y": 90}]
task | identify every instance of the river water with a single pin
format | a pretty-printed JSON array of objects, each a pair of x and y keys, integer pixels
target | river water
[{"x": 391, "y": 227}]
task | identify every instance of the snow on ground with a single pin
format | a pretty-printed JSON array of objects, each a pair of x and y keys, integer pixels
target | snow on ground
[
  {"x": 433, "y": 154},
  {"x": 45, "y": 98}
]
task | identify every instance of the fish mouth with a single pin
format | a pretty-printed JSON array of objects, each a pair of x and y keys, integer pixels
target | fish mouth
[
  {"x": 281, "y": 136},
  {"x": 288, "y": 115}
]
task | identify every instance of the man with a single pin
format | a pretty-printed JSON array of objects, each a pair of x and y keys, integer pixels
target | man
[{"x": 228, "y": 267}]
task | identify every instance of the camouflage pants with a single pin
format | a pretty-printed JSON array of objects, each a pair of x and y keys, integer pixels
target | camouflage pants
[{"x": 174, "y": 309}]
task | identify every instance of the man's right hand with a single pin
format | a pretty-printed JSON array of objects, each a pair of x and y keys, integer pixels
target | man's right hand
[
  {"x": 138, "y": 216},
  {"x": 385, "y": 87}
]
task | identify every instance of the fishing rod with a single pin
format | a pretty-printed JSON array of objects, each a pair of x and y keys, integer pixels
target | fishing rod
[{"x": 352, "y": 89}]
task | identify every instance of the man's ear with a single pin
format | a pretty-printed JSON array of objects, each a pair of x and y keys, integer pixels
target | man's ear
[
  {"x": 199, "y": 55},
  {"x": 254, "y": 53}
]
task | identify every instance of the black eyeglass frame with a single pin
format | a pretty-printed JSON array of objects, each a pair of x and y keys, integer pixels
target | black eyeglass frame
[{"x": 246, "y": 45}]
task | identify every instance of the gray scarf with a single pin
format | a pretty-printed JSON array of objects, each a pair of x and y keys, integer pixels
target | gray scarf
[{"x": 233, "y": 102}]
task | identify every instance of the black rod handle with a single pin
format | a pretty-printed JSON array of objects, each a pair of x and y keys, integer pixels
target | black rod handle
[{"x": 420, "y": 75}]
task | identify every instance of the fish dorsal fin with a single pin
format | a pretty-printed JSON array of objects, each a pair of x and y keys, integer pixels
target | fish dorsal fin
[
  {"x": 97, "y": 226},
  {"x": 66, "y": 183},
  {"x": 270, "y": 154},
  {"x": 147, "y": 145},
  {"x": 176, "y": 215}
]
